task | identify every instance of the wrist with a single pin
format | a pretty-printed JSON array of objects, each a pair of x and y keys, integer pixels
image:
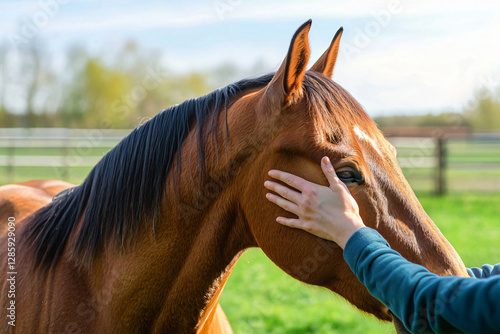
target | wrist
[{"x": 349, "y": 229}]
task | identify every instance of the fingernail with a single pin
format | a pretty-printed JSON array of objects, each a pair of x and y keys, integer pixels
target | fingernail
[
  {"x": 326, "y": 160},
  {"x": 266, "y": 184}
]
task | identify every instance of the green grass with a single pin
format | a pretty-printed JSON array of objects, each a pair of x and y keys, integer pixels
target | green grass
[
  {"x": 471, "y": 222},
  {"x": 260, "y": 298}
]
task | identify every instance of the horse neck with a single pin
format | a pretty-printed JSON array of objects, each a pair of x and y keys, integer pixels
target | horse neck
[{"x": 188, "y": 259}]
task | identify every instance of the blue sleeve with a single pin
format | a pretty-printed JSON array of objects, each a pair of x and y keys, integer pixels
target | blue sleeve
[
  {"x": 485, "y": 271},
  {"x": 421, "y": 300}
]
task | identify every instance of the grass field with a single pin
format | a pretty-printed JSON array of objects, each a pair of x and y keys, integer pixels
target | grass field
[{"x": 260, "y": 298}]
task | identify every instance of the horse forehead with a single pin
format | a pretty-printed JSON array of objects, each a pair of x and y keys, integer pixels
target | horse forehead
[{"x": 361, "y": 135}]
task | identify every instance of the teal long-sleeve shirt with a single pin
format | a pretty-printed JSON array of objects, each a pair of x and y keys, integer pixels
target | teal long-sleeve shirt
[{"x": 423, "y": 301}]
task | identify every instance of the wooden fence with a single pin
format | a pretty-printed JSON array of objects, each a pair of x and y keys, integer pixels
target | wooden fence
[
  {"x": 449, "y": 164},
  {"x": 468, "y": 162},
  {"x": 53, "y": 153}
]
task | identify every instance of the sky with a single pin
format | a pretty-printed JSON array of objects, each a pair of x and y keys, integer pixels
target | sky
[{"x": 396, "y": 56}]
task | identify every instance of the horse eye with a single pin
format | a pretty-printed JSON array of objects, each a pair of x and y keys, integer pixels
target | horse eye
[
  {"x": 348, "y": 176},
  {"x": 345, "y": 175}
]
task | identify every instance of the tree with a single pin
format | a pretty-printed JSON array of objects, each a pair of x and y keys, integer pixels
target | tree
[{"x": 485, "y": 113}]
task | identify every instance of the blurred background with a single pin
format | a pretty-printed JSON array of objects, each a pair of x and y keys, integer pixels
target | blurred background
[{"x": 77, "y": 76}]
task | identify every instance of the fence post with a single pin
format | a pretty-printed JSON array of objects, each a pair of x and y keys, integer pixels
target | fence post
[{"x": 440, "y": 166}]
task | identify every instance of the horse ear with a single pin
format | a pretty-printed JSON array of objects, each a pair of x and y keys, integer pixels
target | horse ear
[
  {"x": 326, "y": 62},
  {"x": 286, "y": 85}
]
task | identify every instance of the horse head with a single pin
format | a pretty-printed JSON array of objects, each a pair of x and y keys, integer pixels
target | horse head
[{"x": 301, "y": 116}]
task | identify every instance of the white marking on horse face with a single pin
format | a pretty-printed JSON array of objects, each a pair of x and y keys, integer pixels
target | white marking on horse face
[{"x": 363, "y": 136}]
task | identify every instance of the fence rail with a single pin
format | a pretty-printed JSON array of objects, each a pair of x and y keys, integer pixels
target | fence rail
[{"x": 430, "y": 164}]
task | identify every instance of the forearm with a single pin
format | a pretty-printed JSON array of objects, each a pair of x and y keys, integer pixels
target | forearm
[{"x": 423, "y": 301}]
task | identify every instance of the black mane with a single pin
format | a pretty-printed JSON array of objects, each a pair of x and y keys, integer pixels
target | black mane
[{"x": 128, "y": 184}]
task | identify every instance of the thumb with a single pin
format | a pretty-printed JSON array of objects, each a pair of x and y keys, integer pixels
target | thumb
[{"x": 328, "y": 170}]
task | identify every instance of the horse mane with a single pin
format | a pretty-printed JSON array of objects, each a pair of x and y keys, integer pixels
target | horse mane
[{"x": 128, "y": 184}]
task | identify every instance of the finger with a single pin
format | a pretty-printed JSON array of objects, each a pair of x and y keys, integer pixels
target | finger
[
  {"x": 329, "y": 171},
  {"x": 290, "y": 179},
  {"x": 331, "y": 175},
  {"x": 283, "y": 203},
  {"x": 290, "y": 222},
  {"x": 345, "y": 187},
  {"x": 283, "y": 191}
]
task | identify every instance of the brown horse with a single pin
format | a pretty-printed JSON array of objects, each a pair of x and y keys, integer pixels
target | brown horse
[
  {"x": 147, "y": 241},
  {"x": 21, "y": 199}
]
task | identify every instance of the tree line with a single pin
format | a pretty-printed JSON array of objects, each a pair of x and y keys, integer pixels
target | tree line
[{"x": 80, "y": 89}]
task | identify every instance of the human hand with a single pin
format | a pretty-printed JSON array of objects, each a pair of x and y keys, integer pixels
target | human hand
[{"x": 327, "y": 212}]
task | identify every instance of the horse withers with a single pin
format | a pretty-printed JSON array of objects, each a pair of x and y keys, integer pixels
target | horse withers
[{"x": 21, "y": 199}]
